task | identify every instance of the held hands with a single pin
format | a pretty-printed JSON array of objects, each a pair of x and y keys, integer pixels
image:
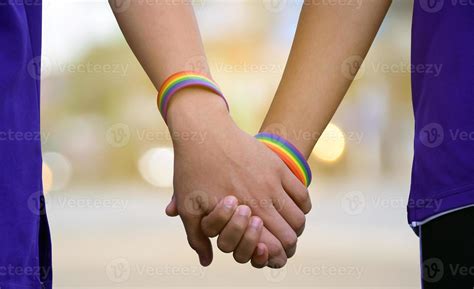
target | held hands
[{"x": 273, "y": 202}]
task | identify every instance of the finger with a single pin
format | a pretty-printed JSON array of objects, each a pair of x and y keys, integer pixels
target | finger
[
  {"x": 297, "y": 192},
  {"x": 260, "y": 256},
  {"x": 213, "y": 223},
  {"x": 277, "y": 225},
  {"x": 290, "y": 212},
  {"x": 276, "y": 254},
  {"x": 234, "y": 230},
  {"x": 172, "y": 208},
  {"x": 248, "y": 243},
  {"x": 196, "y": 239}
]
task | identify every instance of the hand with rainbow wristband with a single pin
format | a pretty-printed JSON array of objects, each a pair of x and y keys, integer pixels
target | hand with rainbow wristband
[
  {"x": 270, "y": 202},
  {"x": 289, "y": 154},
  {"x": 226, "y": 160}
]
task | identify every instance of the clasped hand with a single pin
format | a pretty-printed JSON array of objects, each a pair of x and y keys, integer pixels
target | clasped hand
[{"x": 232, "y": 186}]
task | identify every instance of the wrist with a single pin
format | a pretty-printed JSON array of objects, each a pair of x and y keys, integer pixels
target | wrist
[
  {"x": 304, "y": 140},
  {"x": 196, "y": 109}
]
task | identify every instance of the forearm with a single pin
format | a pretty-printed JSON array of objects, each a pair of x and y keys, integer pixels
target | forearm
[
  {"x": 164, "y": 37},
  {"x": 314, "y": 82}
]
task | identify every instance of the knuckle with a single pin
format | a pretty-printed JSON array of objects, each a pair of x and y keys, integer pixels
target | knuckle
[
  {"x": 258, "y": 265},
  {"x": 210, "y": 231},
  {"x": 275, "y": 249},
  {"x": 251, "y": 237},
  {"x": 192, "y": 243},
  {"x": 241, "y": 259},
  {"x": 277, "y": 264},
  {"x": 240, "y": 227},
  {"x": 306, "y": 201},
  {"x": 224, "y": 246},
  {"x": 289, "y": 241},
  {"x": 300, "y": 224}
]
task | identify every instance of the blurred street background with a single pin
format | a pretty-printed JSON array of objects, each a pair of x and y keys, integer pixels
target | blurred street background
[{"x": 108, "y": 156}]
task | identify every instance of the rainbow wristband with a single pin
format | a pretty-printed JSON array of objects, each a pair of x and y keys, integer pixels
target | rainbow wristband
[
  {"x": 289, "y": 154},
  {"x": 181, "y": 80}
]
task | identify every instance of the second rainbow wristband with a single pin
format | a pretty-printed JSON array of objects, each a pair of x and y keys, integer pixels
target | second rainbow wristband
[{"x": 289, "y": 154}]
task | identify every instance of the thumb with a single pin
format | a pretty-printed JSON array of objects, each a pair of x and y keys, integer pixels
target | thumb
[
  {"x": 172, "y": 208},
  {"x": 197, "y": 240}
]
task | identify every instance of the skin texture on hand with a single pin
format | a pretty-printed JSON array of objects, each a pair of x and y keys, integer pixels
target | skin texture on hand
[{"x": 230, "y": 162}]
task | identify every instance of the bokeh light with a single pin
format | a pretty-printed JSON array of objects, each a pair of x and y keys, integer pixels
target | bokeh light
[
  {"x": 156, "y": 167},
  {"x": 60, "y": 170},
  {"x": 331, "y": 144},
  {"x": 47, "y": 178}
]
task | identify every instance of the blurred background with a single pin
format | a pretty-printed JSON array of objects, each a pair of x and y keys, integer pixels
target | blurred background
[{"x": 108, "y": 157}]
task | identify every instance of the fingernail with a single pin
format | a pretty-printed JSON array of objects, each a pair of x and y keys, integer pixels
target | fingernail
[
  {"x": 255, "y": 223},
  {"x": 244, "y": 211},
  {"x": 260, "y": 250},
  {"x": 230, "y": 202}
]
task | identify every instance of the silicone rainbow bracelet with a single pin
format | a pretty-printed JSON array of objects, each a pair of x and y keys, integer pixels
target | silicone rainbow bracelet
[
  {"x": 289, "y": 154},
  {"x": 181, "y": 80}
]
